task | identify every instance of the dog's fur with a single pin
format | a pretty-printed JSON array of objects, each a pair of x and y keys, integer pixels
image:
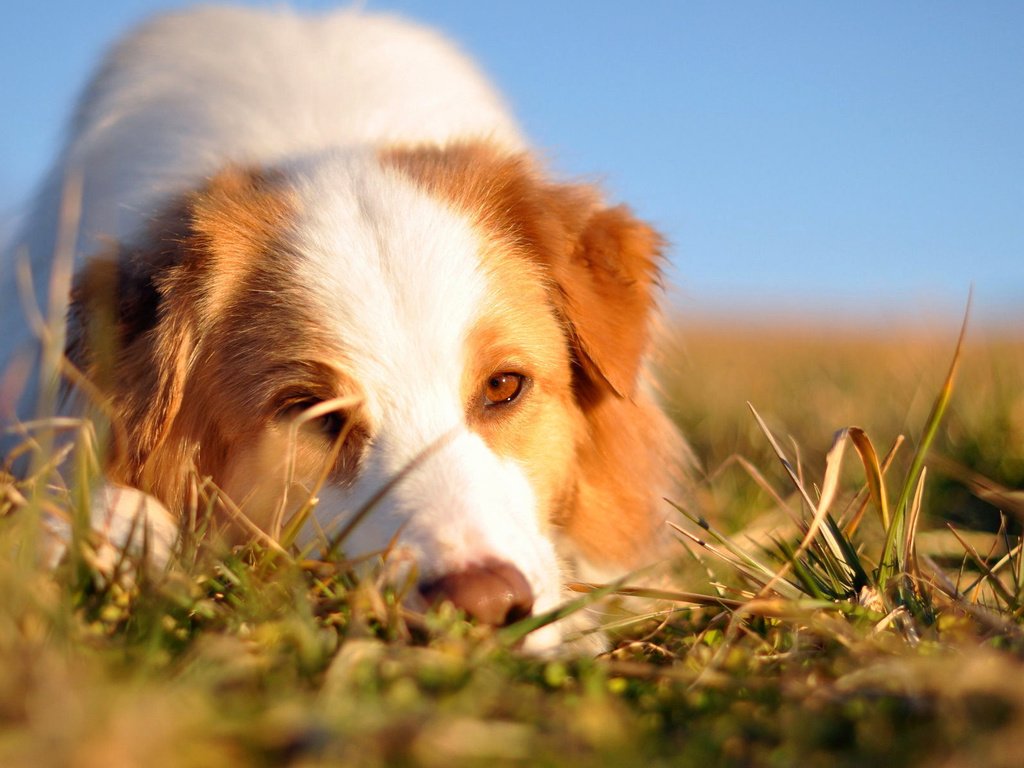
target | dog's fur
[{"x": 316, "y": 242}]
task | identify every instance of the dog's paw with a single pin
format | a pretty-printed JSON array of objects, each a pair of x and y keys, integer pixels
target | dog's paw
[{"x": 127, "y": 526}]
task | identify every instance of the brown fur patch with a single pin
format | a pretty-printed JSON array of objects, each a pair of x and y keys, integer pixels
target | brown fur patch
[{"x": 211, "y": 342}]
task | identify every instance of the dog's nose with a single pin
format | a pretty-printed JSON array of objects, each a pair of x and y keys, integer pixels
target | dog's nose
[{"x": 493, "y": 593}]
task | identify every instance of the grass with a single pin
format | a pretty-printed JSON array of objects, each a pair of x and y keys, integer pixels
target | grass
[{"x": 838, "y": 618}]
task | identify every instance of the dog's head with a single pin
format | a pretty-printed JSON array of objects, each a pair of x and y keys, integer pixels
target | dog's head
[{"x": 443, "y": 347}]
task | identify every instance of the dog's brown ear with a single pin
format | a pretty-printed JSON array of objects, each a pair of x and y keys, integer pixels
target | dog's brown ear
[
  {"x": 607, "y": 288},
  {"x": 604, "y": 265},
  {"x": 139, "y": 316},
  {"x": 127, "y": 334}
]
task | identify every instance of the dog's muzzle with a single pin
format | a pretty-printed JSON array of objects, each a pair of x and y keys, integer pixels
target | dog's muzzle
[{"x": 493, "y": 593}]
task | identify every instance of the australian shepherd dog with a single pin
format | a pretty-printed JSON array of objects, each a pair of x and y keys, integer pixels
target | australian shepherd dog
[{"x": 316, "y": 263}]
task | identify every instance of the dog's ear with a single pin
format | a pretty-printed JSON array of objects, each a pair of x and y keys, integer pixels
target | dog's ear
[
  {"x": 606, "y": 284},
  {"x": 604, "y": 265},
  {"x": 139, "y": 315},
  {"x": 129, "y": 335}
]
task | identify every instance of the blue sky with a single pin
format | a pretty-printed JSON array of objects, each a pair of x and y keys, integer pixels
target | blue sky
[{"x": 861, "y": 158}]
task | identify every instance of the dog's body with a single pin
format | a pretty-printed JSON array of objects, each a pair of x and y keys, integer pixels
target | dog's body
[{"x": 331, "y": 266}]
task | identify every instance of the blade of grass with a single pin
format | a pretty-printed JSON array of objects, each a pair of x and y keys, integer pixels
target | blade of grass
[
  {"x": 863, "y": 497},
  {"x": 793, "y": 476},
  {"x": 987, "y": 573},
  {"x": 514, "y": 633},
  {"x": 689, "y": 598},
  {"x": 873, "y": 472},
  {"x": 758, "y": 575},
  {"x": 733, "y": 550},
  {"x": 294, "y": 525},
  {"x": 894, "y": 539},
  {"x": 909, "y": 546}
]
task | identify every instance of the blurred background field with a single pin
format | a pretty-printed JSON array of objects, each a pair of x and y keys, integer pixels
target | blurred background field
[{"x": 810, "y": 379}]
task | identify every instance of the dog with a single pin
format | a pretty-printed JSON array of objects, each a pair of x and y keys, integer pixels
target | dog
[{"x": 315, "y": 261}]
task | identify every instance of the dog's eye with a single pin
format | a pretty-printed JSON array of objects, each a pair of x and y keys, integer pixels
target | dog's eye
[
  {"x": 312, "y": 416},
  {"x": 502, "y": 388},
  {"x": 330, "y": 424}
]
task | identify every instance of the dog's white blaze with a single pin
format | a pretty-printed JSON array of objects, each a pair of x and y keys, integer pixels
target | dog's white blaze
[{"x": 397, "y": 275}]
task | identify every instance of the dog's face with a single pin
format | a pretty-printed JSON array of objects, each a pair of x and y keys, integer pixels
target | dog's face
[{"x": 439, "y": 346}]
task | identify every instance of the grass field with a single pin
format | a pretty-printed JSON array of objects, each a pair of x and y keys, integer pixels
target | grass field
[{"x": 844, "y": 622}]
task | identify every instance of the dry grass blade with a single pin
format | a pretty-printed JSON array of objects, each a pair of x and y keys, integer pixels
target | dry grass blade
[
  {"x": 786, "y": 464},
  {"x": 514, "y": 633},
  {"x": 759, "y": 479},
  {"x": 734, "y": 556},
  {"x": 985, "y": 617},
  {"x": 914, "y": 516},
  {"x": 862, "y": 499},
  {"x": 833, "y": 464},
  {"x": 752, "y": 570},
  {"x": 1012, "y": 558},
  {"x": 988, "y": 574},
  {"x": 290, "y": 532},
  {"x": 873, "y": 472},
  {"x": 52, "y": 333},
  {"x": 895, "y": 535},
  {"x": 688, "y": 598},
  {"x": 223, "y": 502}
]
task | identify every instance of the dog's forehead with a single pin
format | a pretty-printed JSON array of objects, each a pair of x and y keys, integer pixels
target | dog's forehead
[{"x": 394, "y": 275}]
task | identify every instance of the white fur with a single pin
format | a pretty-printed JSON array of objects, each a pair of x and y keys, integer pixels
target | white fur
[
  {"x": 127, "y": 523},
  {"x": 396, "y": 274}
]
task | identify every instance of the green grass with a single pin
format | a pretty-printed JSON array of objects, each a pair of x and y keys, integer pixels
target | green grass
[{"x": 831, "y": 632}]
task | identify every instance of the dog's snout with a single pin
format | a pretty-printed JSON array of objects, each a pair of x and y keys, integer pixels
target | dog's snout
[{"x": 493, "y": 593}]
